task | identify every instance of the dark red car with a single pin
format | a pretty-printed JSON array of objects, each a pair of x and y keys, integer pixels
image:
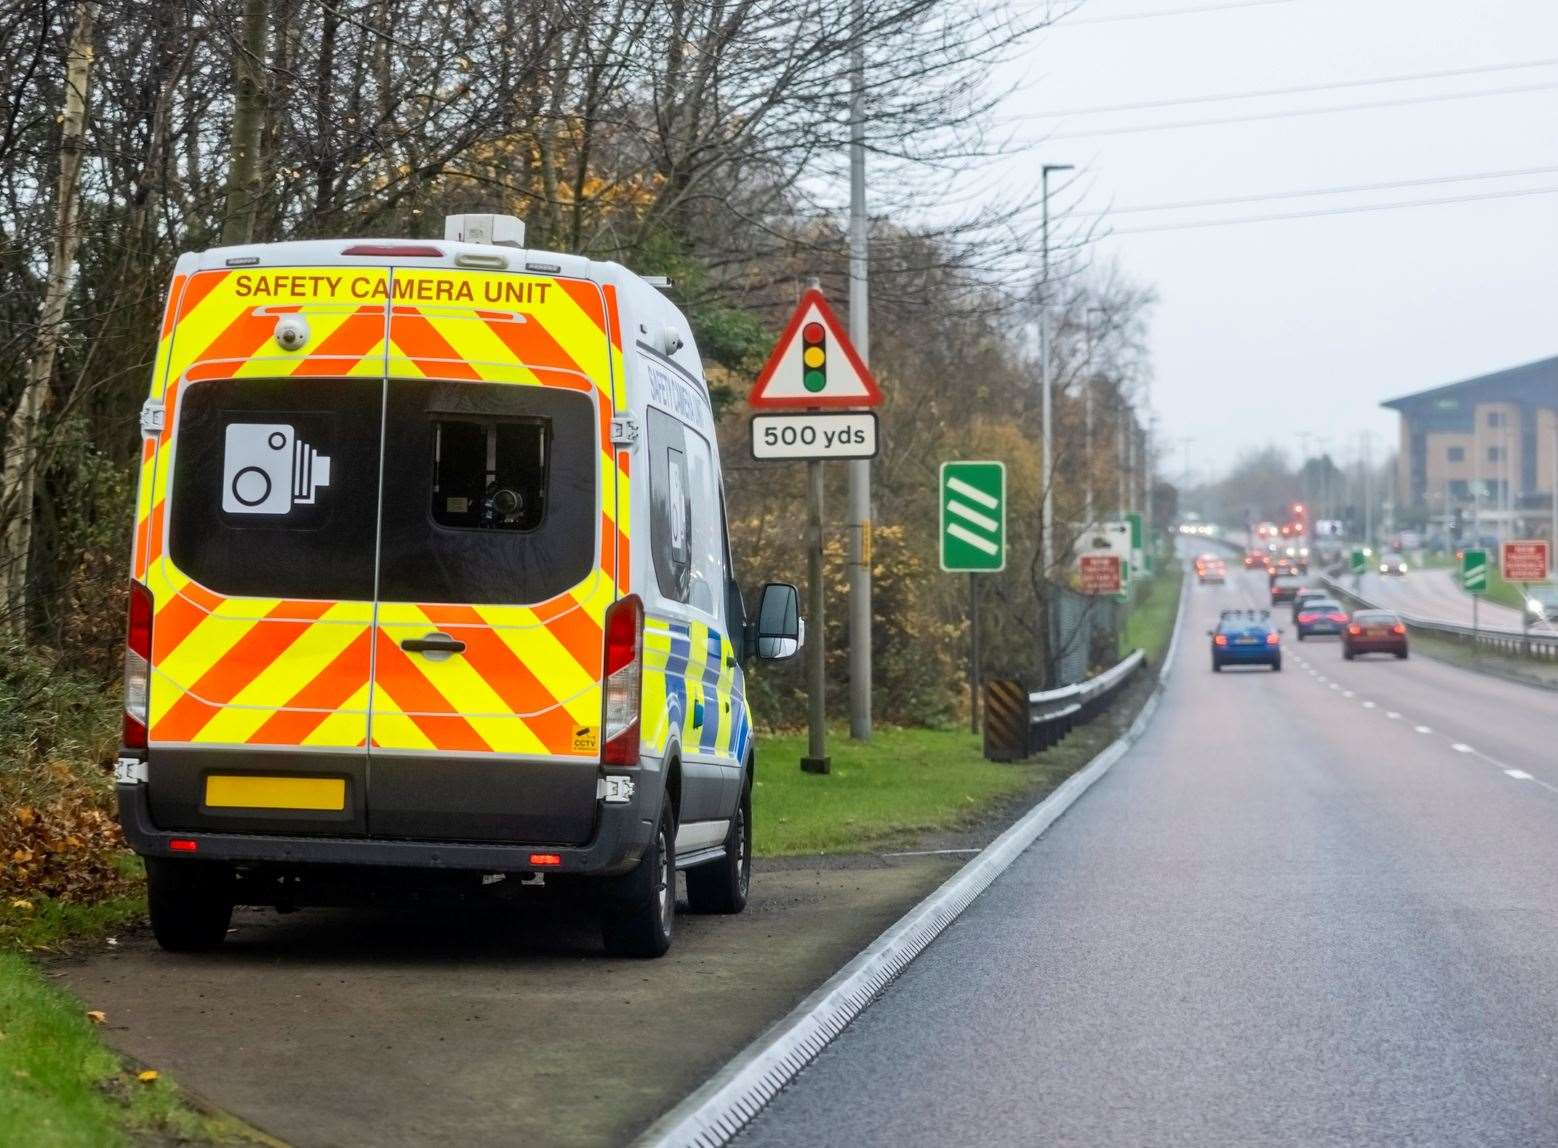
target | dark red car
[{"x": 1374, "y": 632}]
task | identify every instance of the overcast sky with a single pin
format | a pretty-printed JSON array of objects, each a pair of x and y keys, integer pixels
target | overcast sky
[{"x": 1265, "y": 330}]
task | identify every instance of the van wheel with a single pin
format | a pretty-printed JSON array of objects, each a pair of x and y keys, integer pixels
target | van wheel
[
  {"x": 721, "y": 886},
  {"x": 639, "y": 914},
  {"x": 190, "y": 903}
]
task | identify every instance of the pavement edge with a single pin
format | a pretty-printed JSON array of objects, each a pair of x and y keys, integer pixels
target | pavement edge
[{"x": 718, "y": 1110}]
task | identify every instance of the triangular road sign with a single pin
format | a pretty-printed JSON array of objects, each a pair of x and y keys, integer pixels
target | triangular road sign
[{"x": 814, "y": 364}]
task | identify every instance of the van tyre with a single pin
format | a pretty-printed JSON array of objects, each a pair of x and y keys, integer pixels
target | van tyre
[
  {"x": 639, "y": 913},
  {"x": 190, "y": 903},
  {"x": 721, "y": 886}
]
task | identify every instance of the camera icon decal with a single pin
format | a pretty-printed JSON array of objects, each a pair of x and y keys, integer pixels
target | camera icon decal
[{"x": 267, "y": 469}]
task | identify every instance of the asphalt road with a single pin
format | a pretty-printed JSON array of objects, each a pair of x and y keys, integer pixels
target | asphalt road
[
  {"x": 1433, "y": 594},
  {"x": 1308, "y": 908},
  {"x": 483, "y": 1027}
]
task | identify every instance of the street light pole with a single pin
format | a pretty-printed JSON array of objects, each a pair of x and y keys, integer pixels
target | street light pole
[
  {"x": 1088, "y": 518},
  {"x": 859, "y": 555},
  {"x": 1047, "y": 527}
]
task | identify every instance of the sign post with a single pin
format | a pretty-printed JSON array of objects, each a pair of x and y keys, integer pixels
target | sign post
[
  {"x": 1474, "y": 580},
  {"x": 814, "y": 369},
  {"x": 973, "y": 539},
  {"x": 1524, "y": 561}
]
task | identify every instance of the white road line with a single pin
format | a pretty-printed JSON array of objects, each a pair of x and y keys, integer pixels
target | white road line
[
  {"x": 927, "y": 852},
  {"x": 971, "y": 538},
  {"x": 1519, "y": 775},
  {"x": 988, "y": 501},
  {"x": 1334, "y": 686},
  {"x": 1462, "y": 747},
  {"x": 1392, "y": 715},
  {"x": 1423, "y": 729},
  {"x": 1368, "y": 705},
  {"x": 1348, "y": 694}
]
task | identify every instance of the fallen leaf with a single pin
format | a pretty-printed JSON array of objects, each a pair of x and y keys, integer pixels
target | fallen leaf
[
  {"x": 21, "y": 906},
  {"x": 97, "y": 1016},
  {"x": 146, "y": 1077}
]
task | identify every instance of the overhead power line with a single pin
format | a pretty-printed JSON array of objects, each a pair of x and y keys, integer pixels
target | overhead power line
[
  {"x": 1193, "y": 10},
  {"x": 1289, "y": 113},
  {"x": 1393, "y": 185},
  {"x": 1300, "y": 89},
  {"x": 1352, "y": 210}
]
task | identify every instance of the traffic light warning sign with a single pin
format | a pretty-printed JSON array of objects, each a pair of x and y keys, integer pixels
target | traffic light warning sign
[{"x": 814, "y": 364}]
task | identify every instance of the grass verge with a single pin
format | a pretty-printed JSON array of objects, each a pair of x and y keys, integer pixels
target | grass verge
[
  {"x": 886, "y": 792},
  {"x": 59, "y": 1085},
  {"x": 1150, "y": 623}
]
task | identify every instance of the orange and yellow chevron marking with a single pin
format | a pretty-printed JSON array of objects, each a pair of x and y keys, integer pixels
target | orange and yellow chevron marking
[{"x": 269, "y": 672}]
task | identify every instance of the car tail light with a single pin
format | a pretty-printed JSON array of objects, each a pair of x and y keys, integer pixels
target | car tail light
[
  {"x": 546, "y": 860},
  {"x": 184, "y": 845},
  {"x": 137, "y": 666},
  {"x": 1398, "y": 628},
  {"x": 623, "y": 681},
  {"x": 1306, "y": 616},
  {"x": 1273, "y": 638},
  {"x": 1337, "y": 617},
  {"x": 1220, "y": 639},
  {"x": 1355, "y": 629}
]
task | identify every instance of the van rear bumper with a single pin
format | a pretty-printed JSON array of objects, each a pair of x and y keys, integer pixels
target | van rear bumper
[{"x": 622, "y": 834}]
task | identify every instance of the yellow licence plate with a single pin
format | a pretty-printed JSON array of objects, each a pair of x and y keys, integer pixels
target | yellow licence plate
[{"x": 251, "y": 792}]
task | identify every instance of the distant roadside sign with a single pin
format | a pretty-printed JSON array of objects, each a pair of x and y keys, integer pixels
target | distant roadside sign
[
  {"x": 973, "y": 517},
  {"x": 1100, "y": 574},
  {"x": 1474, "y": 570},
  {"x": 1359, "y": 561},
  {"x": 814, "y": 435},
  {"x": 1524, "y": 560}
]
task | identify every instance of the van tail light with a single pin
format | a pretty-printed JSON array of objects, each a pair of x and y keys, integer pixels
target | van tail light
[
  {"x": 1273, "y": 638},
  {"x": 1220, "y": 640},
  {"x": 1337, "y": 617},
  {"x": 623, "y": 681},
  {"x": 1398, "y": 628},
  {"x": 1355, "y": 629},
  {"x": 137, "y": 667}
]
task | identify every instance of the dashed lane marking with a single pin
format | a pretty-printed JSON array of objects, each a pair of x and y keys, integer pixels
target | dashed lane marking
[
  {"x": 1368, "y": 705},
  {"x": 1392, "y": 715},
  {"x": 1519, "y": 775},
  {"x": 1348, "y": 694},
  {"x": 1461, "y": 747},
  {"x": 1423, "y": 729}
]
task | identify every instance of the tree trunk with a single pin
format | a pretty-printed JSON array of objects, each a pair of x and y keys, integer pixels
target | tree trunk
[
  {"x": 18, "y": 479},
  {"x": 245, "y": 180}
]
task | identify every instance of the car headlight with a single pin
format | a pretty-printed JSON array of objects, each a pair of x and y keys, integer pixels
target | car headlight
[
  {"x": 1403, "y": 568},
  {"x": 1384, "y": 569}
]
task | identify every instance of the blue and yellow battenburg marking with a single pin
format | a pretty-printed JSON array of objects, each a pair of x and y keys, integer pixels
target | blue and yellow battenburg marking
[{"x": 687, "y": 671}]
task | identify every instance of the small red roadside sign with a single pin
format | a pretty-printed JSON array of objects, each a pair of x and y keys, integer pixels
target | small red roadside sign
[
  {"x": 1524, "y": 560},
  {"x": 1100, "y": 573}
]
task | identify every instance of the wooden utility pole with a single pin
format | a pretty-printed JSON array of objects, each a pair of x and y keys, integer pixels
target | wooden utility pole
[{"x": 18, "y": 478}]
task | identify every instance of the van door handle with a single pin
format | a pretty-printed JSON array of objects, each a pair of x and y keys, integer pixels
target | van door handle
[{"x": 434, "y": 643}]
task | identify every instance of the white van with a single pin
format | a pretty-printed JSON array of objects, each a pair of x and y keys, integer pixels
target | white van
[{"x": 431, "y": 574}]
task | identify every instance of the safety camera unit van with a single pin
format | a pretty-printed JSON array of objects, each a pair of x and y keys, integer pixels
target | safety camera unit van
[{"x": 431, "y": 585}]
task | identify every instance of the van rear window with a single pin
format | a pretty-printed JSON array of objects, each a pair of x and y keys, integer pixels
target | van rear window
[
  {"x": 490, "y": 492},
  {"x": 275, "y": 486}
]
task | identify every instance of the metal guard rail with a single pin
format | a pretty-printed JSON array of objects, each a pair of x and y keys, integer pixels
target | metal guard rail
[
  {"x": 1052, "y": 714},
  {"x": 1501, "y": 639}
]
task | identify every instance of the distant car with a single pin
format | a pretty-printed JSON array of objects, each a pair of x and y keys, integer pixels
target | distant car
[
  {"x": 1374, "y": 632},
  {"x": 1212, "y": 573},
  {"x": 1284, "y": 587},
  {"x": 1254, "y": 558},
  {"x": 1320, "y": 616},
  {"x": 1541, "y": 605},
  {"x": 1304, "y": 596},
  {"x": 1204, "y": 560},
  {"x": 1246, "y": 638},
  {"x": 1392, "y": 563}
]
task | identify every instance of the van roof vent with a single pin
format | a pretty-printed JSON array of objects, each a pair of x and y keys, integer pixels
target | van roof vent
[{"x": 493, "y": 230}]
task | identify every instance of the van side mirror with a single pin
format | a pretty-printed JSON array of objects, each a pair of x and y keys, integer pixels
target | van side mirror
[{"x": 781, "y": 631}]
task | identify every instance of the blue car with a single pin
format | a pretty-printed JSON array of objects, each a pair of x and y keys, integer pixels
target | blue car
[{"x": 1246, "y": 638}]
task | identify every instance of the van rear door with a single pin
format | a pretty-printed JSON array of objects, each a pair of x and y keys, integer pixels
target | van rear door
[
  {"x": 498, "y": 559},
  {"x": 256, "y": 537}
]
